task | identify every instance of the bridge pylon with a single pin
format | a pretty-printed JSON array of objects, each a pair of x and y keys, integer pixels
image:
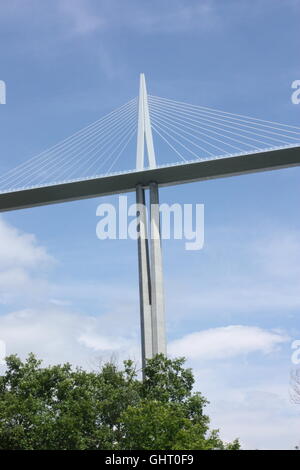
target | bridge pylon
[{"x": 152, "y": 309}]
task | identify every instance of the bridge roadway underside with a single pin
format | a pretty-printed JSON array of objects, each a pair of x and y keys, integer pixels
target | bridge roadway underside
[{"x": 164, "y": 176}]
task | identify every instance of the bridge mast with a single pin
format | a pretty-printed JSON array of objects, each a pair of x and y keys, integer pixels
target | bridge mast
[{"x": 153, "y": 335}]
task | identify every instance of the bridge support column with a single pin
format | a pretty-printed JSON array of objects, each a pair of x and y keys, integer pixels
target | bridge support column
[
  {"x": 144, "y": 277},
  {"x": 152, "y": 316},
  {"x": 157, "y": 288}
]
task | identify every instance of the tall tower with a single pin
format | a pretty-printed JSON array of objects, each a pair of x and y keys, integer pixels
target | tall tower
[{"x": 153, "y": 332}]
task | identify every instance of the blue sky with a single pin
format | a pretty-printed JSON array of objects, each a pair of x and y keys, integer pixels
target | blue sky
[{"x": 68, "y": 296}]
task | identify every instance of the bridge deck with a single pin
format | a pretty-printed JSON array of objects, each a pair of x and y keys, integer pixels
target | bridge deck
[{"x": 164, "y": 176}]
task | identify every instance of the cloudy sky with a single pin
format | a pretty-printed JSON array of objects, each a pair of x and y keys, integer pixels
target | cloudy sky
[{"x": 232, "y": 308}]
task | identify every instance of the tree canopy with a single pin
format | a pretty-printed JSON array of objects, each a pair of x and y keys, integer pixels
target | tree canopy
[{"x": 61, "y": 408}]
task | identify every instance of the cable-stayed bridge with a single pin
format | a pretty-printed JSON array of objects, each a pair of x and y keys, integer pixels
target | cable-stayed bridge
[
  {"x": 184, "y": 143},
  {"x": 191, "y": 143}
]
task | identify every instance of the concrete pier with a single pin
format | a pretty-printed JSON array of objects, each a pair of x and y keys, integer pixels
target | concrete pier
[
  {"x": 152, "y": 311},
  {"x": 144, "y": 277}
]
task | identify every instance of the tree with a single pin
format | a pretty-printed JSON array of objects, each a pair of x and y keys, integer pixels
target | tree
[{"x": 58, "y": 407}]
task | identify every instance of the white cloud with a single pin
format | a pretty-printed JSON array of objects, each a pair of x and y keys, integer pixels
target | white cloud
[
  {"x": 60, "y": 303},
  {"x": 103, "y": 343},
  {"x": 157, "y": 17},
  {"x": 57, "y": 336},
  {"x": 47, "y": 326},
  {"x": 226, "y": 342},
  {"x": 20, "y": 249},
  {"x": 176, "y": 18},
  {"x": 82, "y": 19},
  {"x": 23, "y": 261},
  {"x": 261, "y": 419},
  {"x": 249, "y": 399}
]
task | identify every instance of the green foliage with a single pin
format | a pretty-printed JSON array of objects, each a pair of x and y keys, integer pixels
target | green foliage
[{"x": 58, "y": 407}]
